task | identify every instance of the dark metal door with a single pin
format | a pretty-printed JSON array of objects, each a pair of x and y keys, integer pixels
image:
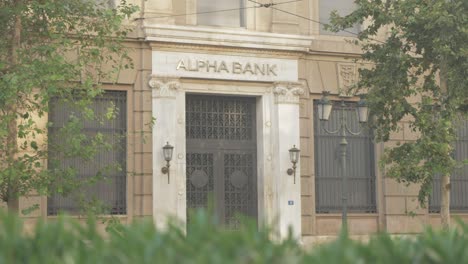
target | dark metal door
[{"x": 221, "y": 156}]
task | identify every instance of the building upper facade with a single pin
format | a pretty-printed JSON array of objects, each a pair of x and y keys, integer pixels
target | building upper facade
[{"x": 246, "y": 22}]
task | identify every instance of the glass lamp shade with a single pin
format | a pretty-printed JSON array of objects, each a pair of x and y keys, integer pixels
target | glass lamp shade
[
  {"x": 294, "y": 154},
  {"x": 363, "y": 111},
  {"x": 167, "y": 152},
  {"x": 324, "y": 107}
]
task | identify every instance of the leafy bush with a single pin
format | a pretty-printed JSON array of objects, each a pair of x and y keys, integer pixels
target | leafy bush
[
  {"x": 442, "y": 246},
  {"x": 67, "y": 241}
]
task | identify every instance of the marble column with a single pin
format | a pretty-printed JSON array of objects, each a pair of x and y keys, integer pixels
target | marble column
[
  {"x": 168, "y": 194},
  {"x": 286, "y": 128}
]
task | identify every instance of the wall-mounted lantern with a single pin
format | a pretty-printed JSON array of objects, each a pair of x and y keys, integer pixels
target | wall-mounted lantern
[
  {"x": 294, "y": 157},
  {"x": 324, "y": 107},
  {"x": 363, "y": 109},
  {"x": 167, "y": 152}
]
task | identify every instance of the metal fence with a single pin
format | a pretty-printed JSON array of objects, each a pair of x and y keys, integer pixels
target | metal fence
[
  {"x": 458, "y": 179},
  {"x": 110, "y": 187},
  {"x": 360, "y": 165}
]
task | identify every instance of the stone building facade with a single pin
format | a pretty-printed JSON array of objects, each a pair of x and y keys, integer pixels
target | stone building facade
[{"x": 190, "y": 56}]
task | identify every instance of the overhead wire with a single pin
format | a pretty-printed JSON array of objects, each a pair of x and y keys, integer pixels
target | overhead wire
[{"x": 224, "y": 10}]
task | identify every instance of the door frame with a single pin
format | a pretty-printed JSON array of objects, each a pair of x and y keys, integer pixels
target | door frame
[
  {"x": 263, "y": 112},
  {"x": 277, "y": 121}
]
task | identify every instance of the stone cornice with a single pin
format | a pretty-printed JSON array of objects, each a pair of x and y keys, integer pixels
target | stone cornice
[
  {"x": 167, "y": 46},
  {"x": 239, "y": 38},
  {"x": 335, "y": 46}
]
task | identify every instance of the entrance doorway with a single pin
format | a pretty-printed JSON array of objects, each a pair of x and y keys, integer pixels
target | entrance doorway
[{"x": 221, "y": 157}]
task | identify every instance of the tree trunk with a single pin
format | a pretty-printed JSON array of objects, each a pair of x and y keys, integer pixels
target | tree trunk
[
  {"x": 12, "y": 137},
  {"x": 445, "y": 201},
  {"x": 445, "y": 180}
]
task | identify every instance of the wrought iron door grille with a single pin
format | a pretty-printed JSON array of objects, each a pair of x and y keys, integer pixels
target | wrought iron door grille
[
  {"x": 240, "y": 187},
  {"x": 221, "y": 157},
  {"x": 200, "y": 182},
  {"x": 226, "y": 118},
  {"x": 360, "y": 172}
]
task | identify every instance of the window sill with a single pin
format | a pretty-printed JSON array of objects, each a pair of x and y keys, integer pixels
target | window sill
[
  {"x": 85, "y": 217},
  {"x": 349, "y": 215},
  {"x": 451, "y": 214}
]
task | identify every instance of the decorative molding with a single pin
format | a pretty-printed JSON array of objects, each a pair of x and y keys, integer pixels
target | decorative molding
[
  {"x": 288, "y": 92},
  {"x": 347, "y": 78},
  {"x": 164, "y": 86},
  {"x": 168, "y": 46},
  {"x": 305, "y": 85},
  {"x": 238, "y": 38}
]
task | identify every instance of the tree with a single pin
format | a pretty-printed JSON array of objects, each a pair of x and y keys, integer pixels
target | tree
[
  {"x": 419, "y": 74},
  {"x": 52, "y": 49}
]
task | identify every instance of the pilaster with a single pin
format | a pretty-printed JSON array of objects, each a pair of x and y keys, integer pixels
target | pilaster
[
  {"x": 160, "y": 11},
  {"x": 168, "y": 190},
  {"x": 283, "y": 22},
  {"x": 286, "y": 128}
]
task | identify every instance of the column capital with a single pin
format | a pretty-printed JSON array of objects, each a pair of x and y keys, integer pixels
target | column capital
[
  {"x": 287, "y": 92},
  {"x": 164, "y": 86}
]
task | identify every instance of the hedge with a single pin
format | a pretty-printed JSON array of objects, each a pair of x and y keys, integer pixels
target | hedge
[{"x": 67, "y": 241}]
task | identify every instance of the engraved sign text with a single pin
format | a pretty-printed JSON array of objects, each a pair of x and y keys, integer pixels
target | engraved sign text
[
  {"x": 227, "y": 67},
  {"x": 222, "y": 66}
]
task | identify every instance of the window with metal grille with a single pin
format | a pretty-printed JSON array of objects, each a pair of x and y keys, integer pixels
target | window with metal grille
[
  {"x": 209, "y": 13},
  {"x": 109, "y": 162},
  {"x": 458, "y": 179},
  {"x": 344, "y": 7},
  {"x": 360, "y": 170}
]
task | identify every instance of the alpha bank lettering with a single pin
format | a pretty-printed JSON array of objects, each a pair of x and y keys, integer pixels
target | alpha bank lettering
[
  {"x": 214, "y": 66},
  {"x": 224, "y": 67}
]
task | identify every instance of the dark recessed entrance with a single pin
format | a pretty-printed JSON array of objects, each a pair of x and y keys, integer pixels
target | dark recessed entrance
[{"x": 221, "y": 156}]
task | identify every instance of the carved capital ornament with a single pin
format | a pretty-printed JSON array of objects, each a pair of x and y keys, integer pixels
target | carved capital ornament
[
  {"x": 164, "y": 86},
  {"x": 287, "y": 92}
]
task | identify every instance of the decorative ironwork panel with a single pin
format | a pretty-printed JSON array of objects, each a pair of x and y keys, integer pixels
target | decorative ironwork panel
[
  {"x": 240, "y": 192},
  {"x": 360, "y": 164},
  {"x": 458, "y": 179},
  {"x": 221, "y": 161},
  {"x": 110, "y": 188},
  {"x": 222, "y": 118},
  {"x": 200, "y": 180}
]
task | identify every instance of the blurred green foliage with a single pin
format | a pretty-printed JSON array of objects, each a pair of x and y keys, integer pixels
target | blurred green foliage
[{"x": 64, "y": 240}]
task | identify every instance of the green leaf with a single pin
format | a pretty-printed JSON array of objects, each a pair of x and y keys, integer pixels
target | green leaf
[
  {"x": 30, "y": 209},
  {"x": 34, "y": 145}
]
